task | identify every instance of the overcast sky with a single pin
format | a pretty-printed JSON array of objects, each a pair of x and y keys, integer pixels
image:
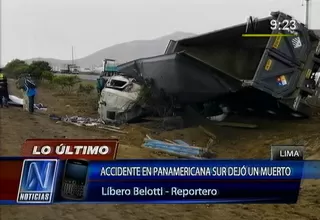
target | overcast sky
[{"x": 49, "y": 28}]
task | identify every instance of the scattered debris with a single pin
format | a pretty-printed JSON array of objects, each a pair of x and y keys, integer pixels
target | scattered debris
[
  {"x": 55, "y": 117},
  {"x": 181, "y": 142},
  {"x": 171, "y": 142},
  {"x": 225, "y": 111},
  {"x": 40, "y": 107},
  {"x": 16, "y": 101},
  {"x": 211, "y": 135},
  {"x": 178, "y": 148},
  {"x": 112, "y": 129},
  {"x": 212, "y": 139},
  {"x": 237, "y": 125},
  {"x": 86, "y": 121},
  {"x": 210, "y": 143},
  {"x": 82, "y": 121}
]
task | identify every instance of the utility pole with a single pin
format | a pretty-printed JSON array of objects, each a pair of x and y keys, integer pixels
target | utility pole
[
  {"x": 307, "y": 13},
  {"x": 72, "y": 55}
]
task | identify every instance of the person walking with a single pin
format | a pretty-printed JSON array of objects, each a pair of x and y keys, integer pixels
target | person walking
[{"x": 4, "y": 94}]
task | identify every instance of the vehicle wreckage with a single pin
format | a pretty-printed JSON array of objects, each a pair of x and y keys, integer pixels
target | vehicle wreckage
[
  {"x": 264, "y": 70},
  {"x": 118, "y": 100}
]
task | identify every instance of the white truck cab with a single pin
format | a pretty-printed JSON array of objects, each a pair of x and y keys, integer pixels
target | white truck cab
[{"x": 118, "y": 100}]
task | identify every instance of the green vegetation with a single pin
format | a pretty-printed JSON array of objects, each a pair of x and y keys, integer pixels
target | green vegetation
[
  {"x": 17, "y": 67},
  {"x": 41, "y": 72},
  {"x": 85, "y": 88},
  {"x": 47, "y": 75},
  {"x": 65, "y": 83}
]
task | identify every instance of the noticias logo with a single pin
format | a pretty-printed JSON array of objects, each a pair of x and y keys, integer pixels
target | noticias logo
[
  {"x": 34, "y": 176},
  {"x": 37, "y": 181}
]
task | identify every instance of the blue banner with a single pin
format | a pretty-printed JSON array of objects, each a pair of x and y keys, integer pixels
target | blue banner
[
  {"x": 199, "y": 169},
  {"x": 46, "y": 181},
  {"x": 193, "y": 181},
  {"x": 311, "y": 169}
]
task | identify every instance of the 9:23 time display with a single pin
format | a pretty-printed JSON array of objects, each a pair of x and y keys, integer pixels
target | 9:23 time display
[{"x": 286, "y": 25}]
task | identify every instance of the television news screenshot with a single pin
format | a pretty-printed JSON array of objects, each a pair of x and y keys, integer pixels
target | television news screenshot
[{"x": 137, "y": 110}]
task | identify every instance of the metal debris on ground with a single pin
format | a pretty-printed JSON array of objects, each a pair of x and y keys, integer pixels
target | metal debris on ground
[
  {"x": 55, "y": 117},
  {"x": 86, "y": 121},
  {"x": 177, "y": 147},
  {"x": 212, "y": 139},
  {"x": 106, "y": 127},
  {"x": 237, "y": 125},
  {"x": 210, "y": 143},
  {"x": 40, "y": 107},
  {"x": 172, "y": 142},
  {"x": 82, "y": 121},
  {"x": 210, "y": 134}
]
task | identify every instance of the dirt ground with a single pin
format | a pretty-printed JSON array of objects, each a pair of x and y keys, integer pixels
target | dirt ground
[{"x": 17, "y": 126}]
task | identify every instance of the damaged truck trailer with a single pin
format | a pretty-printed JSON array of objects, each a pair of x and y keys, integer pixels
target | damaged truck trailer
[{"x": 271, "y": 68}]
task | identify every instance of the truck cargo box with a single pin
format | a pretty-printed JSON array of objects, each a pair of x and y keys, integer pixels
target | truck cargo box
[
  {"x": 272, "y": 64},
  {"x": 278, "y": 63},
  {"x": 182, "y": 76}
]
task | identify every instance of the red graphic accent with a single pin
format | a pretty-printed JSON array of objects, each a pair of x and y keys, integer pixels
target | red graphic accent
[
  {"x": 10, "y": 178},
  {"x": 89, "y": 149}
]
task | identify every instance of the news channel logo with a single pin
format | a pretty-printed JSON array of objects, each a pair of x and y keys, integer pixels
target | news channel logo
[{"x": 37, "y": 181}]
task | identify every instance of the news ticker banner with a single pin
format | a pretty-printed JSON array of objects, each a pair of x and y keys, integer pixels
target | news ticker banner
[
  {"x": 45, "y": 181},
  {"x": 78, "y": 177}
]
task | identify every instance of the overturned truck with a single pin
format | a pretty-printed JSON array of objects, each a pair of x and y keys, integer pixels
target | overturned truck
[{"x": 269, "y": 70}]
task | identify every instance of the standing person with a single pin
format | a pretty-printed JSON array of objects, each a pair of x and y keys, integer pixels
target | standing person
[
  {"x": 31, "y": 91},
  {"x": 4, "y": 94},
  {"x": 100, "y": 84}
]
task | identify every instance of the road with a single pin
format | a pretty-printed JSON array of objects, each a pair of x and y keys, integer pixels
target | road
[{"x": 88, "y": 77}]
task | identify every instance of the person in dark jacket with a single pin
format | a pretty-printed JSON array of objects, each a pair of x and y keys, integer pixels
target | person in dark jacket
[
  {"x": 4, "y": 94},
  {"x": 30, "y": 90},
  {"x": 101, "y": 81}
]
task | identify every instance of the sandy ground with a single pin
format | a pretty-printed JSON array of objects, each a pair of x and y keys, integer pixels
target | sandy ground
[{"x": 17, "y": 125}]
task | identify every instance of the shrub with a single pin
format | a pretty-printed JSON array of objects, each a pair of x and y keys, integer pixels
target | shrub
[
  {"x": 85, "y": 88},
  {"x": 37, "y": 68},
  {"x": 65, "y": 83},
  {"x": 15, "y": 68},
  {"x": 47, "y": 75}
]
